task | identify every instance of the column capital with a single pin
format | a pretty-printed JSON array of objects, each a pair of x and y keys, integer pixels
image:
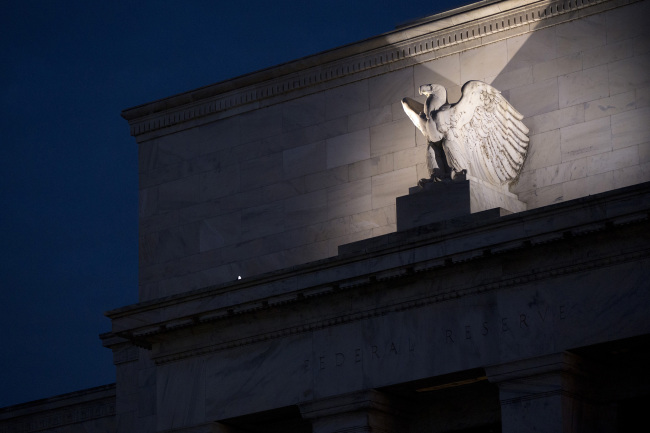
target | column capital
[
  {"x": 564, "y": 364},
  {"x": 551, "y": 393}
]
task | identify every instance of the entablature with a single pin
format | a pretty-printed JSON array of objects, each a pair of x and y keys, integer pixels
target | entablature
[{"x": 387, "y": 260}]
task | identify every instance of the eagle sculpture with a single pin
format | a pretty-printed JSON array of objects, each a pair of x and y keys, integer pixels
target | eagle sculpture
[{"x": 481, "y": 135}]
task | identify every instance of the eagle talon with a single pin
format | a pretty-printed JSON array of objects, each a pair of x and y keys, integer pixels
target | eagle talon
[
  {"x": 459, "y": 176},
  {"x": 438, "y": 175}
]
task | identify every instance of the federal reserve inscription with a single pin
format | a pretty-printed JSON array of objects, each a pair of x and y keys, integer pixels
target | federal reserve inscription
[{"x": 441, "y": 338}]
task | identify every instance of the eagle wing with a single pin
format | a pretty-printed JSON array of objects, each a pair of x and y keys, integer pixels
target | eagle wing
[
  {"x": 485, "y": 133},
  {"x": 415, "y": 111}
]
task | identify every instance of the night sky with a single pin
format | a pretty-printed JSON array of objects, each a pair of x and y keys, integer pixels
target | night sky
[{"x": 68, "y": 167}]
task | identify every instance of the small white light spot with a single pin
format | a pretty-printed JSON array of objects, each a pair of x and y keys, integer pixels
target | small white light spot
[{"x": 239, "y": 277}]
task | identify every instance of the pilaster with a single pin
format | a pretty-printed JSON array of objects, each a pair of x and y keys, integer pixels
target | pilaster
[{"x": 553, "y": 393}]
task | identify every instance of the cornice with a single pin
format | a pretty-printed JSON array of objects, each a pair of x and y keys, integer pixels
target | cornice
[
  {"x": 59, "y": 411},
  {"x": 433, "y": 37},
  {"x": 537, "y": 275}
]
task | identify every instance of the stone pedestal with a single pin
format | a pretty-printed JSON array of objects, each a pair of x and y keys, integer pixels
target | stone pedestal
[
  {"x": 365, "y": 411},
  {"x": 554, "y": 394},
  {"x": 439, "y": 201}
]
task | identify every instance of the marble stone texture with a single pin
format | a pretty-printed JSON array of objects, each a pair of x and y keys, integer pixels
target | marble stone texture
[
  {"x": 537, "y": 98},
  {"x": 347, "y": 149},
  {"x": 488, "y": 61}
]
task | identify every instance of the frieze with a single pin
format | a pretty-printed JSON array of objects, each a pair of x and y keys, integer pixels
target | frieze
[
  {"x": 521, "y": 320},
  {"x": 434, "y": 44},
  {"x": 443, "y": 337},
  {"x": 331, "y": 359}
]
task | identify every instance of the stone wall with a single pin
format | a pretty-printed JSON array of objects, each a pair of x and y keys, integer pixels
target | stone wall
[
  {"x": 586, "y": 102},
  {"x": 280, "y": 167}
]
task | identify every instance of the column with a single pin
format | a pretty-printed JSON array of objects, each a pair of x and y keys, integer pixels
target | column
[{"x": 553, "y": 393}]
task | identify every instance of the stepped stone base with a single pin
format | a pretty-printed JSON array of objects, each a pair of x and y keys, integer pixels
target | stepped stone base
[{"x": 439, "y": 201}]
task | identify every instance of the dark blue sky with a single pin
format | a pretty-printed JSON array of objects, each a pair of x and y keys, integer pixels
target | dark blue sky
[{"x": 68, "y": 167}]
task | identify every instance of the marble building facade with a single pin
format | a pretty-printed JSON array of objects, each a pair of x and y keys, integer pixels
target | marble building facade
[{"x": 354, "y": 314}]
